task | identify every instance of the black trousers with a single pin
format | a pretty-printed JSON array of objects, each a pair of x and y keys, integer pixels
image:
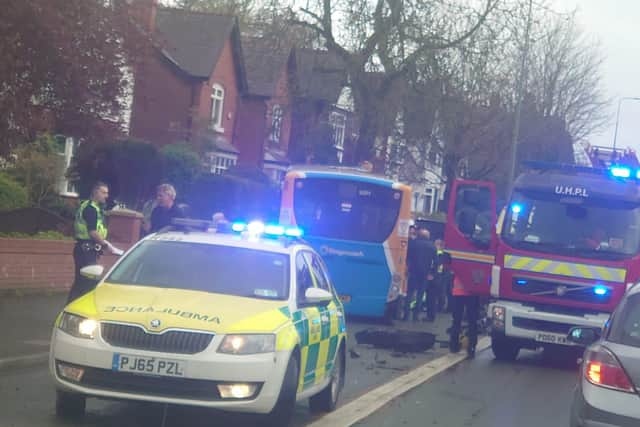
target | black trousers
[
  {"x": 82, "y": 258},
  {"x": 416, "y": 289},
  {"x": 470, "y": 305}
]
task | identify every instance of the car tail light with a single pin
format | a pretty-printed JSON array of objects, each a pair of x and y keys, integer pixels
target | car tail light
[{"x": 603, "y": 369}]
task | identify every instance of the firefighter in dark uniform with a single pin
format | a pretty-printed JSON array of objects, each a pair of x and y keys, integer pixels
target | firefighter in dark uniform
[
  {"x": 464, "y": 301},
  {"x": 421, "y": 258},
  {"x": 90, "y": 232}
]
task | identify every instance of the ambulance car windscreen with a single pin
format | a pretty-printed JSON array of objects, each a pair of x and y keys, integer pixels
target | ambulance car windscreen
[
  {"x": 572, "y": 226},
  {"x": 205, "y": 267}
]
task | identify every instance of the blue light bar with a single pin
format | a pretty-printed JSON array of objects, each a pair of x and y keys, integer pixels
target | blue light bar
[
  {"x": 600, "y": 290},
  {"x": 274, "y": 230},
  {"x": 516, "y": 208},
  {"x": 293, "y": 232},
  {"x": 521, "y": 282},
  {"x": 238, "y": 227},
  {"x": 638, "y": 174},
  {"x": 257, "y": 228},
  {"x": 620, "y": 172}
]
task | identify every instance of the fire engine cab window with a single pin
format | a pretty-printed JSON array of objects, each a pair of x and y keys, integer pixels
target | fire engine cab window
[
  {"x": 594, "y": 228},
  {"x": 473, "y": 212},
  {"x": 346, "y": 210}
]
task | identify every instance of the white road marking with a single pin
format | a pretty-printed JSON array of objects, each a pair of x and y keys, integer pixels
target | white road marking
[{"x": 370, "y": 402}]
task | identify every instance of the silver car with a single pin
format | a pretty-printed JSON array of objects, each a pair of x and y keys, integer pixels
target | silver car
[{"x": 607, "y": 393}]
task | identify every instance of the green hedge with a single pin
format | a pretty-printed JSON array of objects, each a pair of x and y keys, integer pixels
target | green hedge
[
  {"x": 42, "y": 235},
  {"x": 12, "y": 194}
]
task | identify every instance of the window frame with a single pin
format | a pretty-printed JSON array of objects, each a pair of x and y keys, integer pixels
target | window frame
[
  {"x": 217, "y": 98},
  {"x": 277, "y": 117}
]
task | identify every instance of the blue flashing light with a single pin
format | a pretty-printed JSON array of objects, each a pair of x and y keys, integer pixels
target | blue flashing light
[
  {"x": 293, "y": 232},
  {"x": 620, "y": 172},
  {"x": 638, "y": 174},
  {"x": 600, "y": 290},
  {"x": 516, "y": 208},
  {"x": 521, "y": 282},
  {"x": 238, "y": 227},
  {"x": 257, "y": 228},
  {"x": 274, "y": 230}
]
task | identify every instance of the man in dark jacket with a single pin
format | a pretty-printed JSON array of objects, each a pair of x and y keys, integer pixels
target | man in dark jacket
[
  {"x": 166, "y": 208},
  {"x": 421, "y": 258}
]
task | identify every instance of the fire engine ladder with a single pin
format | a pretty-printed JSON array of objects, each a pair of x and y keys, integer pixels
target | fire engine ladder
[{"x": 605, "y": 157}]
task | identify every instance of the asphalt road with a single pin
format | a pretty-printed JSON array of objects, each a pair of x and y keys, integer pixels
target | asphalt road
[
  {"x": 27, "y": 395},
  {"x": 534, "y": 391}
]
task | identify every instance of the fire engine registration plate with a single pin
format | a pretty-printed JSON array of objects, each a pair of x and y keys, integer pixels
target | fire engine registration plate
[
  {"x": 552, "y": 339},
  {"x": 147, "y": 365}
]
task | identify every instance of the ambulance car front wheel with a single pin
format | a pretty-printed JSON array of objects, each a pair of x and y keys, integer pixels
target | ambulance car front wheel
[
  {"x": 282, "y": 412},
  {"x": 327, "y": 399}
]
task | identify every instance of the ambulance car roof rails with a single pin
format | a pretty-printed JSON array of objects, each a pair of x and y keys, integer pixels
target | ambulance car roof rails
[{"x": 187, "y": 225}]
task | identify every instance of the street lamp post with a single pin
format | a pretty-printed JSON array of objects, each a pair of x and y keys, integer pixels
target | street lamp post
[{"x": 615, "y": 135}]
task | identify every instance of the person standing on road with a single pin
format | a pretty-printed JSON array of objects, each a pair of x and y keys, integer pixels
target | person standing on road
[
  {"x": 463, "y": 300},
  {"x": 420, "y": 263},
  {"x": 166, "y": 208},
  {"x": 90, "y": 232}
]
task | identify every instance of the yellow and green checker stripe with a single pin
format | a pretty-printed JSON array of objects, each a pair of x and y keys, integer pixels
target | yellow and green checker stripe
[
  {"x": 319, "y": 330},
  {"x": 568, "y": 269}
]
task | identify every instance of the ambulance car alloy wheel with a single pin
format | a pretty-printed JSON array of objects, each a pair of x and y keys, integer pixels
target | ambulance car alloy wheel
[
  {"x": 327, "y": 399},
  {"x": 70, "y": 405}
]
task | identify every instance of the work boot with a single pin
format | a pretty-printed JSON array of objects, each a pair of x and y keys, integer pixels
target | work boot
[{"x": 471, "y": 352}]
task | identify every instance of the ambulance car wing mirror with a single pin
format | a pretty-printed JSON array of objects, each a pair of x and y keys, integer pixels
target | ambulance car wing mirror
[
  {"x": 92, "y": 272},
  {"x": 317, "y": 296}
]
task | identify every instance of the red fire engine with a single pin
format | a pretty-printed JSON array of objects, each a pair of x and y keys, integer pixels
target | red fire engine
[{"x": 562, "y": 253}]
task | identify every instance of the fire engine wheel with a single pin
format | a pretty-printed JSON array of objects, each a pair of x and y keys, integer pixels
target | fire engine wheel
[{"x": 504, "y": 348}]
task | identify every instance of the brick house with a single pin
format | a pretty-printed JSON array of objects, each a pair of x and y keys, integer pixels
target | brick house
[
  {"x": 188, "y": 86},
  {"x": 266, "y": 110},
  {"x": 321, "y": 97}
]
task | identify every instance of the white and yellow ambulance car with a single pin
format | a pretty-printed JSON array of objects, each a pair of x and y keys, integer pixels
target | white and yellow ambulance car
[{"x": 247, "y": 321}]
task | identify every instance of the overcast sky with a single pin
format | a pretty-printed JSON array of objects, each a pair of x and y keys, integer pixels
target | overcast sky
[{"x": 616, "y": 24}]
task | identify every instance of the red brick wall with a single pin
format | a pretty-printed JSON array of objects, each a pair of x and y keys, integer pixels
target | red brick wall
[
  {"x": 161, "y": 103},
  {"x": 251, "y": 131},
  {"x": 281, "y": 98},
  {"x": 40, "y": 264},
  {"x": 224, "y": 74},
  {"x": 48, "y": 264}
]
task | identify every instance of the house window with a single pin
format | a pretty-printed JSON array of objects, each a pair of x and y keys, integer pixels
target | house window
[
  {"x": 217, "y": 107},
  {"x": 66, "y": 151},
  {"x": 338, "y": 124},
  {"x": 396, "y": 152},
  {"x": 276, "y": 123},
  {"x": 221, "y": 162}
]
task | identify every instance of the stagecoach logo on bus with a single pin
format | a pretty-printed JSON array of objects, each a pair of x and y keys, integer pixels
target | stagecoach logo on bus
[
  {"x": 327, "y": 250},
  {"x": 567, "y": 190}
]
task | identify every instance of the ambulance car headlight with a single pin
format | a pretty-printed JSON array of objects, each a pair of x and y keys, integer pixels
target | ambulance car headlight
[
  {"x": 78, "y": 326},
  {"x": 248, "y": 344}
]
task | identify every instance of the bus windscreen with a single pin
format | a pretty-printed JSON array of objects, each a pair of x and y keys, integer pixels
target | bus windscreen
[{"x": 346, "y": 209}]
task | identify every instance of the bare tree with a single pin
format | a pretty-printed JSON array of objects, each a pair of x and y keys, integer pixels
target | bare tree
[
  {"x": 388, "y": 37},
  {"x": 566, "y": 78}
]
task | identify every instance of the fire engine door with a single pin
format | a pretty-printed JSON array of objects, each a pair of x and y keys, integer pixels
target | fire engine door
[{"x": 470, "y": 233}]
